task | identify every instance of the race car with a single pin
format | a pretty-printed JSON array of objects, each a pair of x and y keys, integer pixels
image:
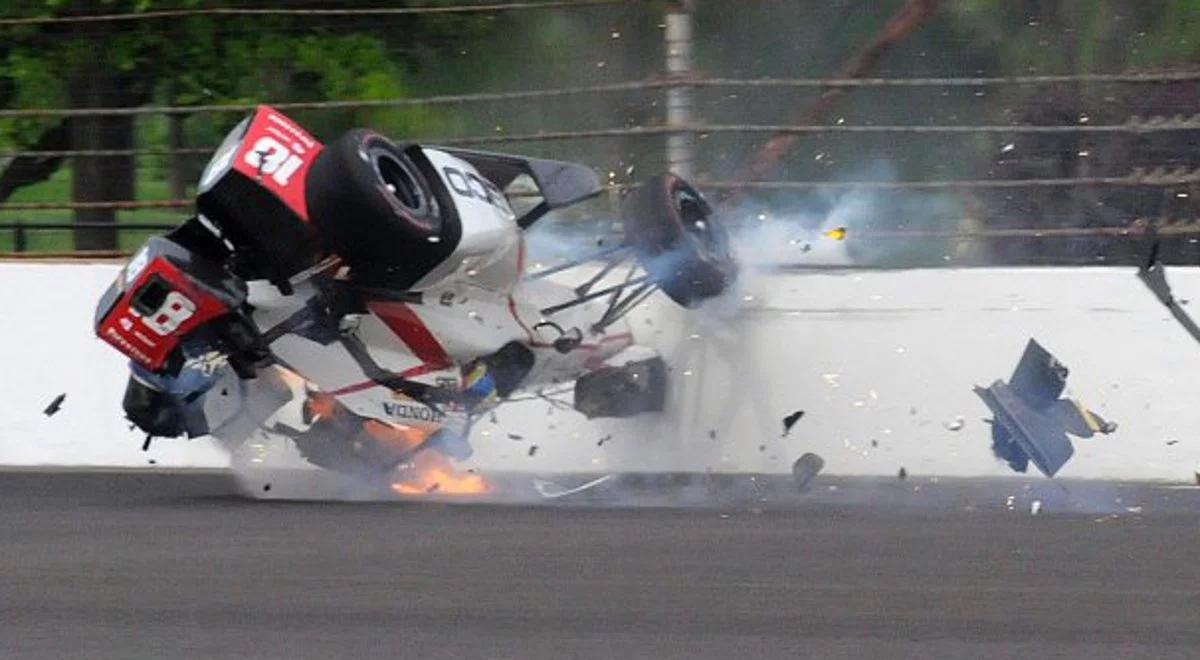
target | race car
[{"x": 369, "y": 300}]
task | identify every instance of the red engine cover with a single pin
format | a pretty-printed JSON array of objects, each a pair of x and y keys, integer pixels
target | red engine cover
[
  {"x": 254, "y": 191},
  {"x": 177, "y": 305},
  {"x": 277, "y": 153}
]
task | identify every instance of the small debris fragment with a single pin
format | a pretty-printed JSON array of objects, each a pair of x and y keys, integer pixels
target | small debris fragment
[
  {"x": 55, "y": 405},
  {"x": 604, "y": 440},
  {"x": 266, "y": 488},
  {"x": 153, "y": 462},
  {"x": 874, "y": 443},
  {"x": 762, "y": 448},
  {"x": 146, "y": 443},
  {"x": 1172, "y": 442},
  {"x": 1035, "y": 507},
  {"x": 533, "y": 449},
  {"x": 712, "y": 434},
  {"x": 837, "y": 233},
  {"x": 955, "y": 425},
  {"x": 551, "y": 490},
  {"x": 433, "y": 487},
  {"x": 515, "y": 436},
  {"x": 806, "y": 468},
  {"x": 790, "y": 421},
  {"x": 902, "y": 474}
]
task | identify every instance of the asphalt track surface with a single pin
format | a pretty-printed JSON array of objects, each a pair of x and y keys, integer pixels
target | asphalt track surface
[{"x": 128, "y": 566}]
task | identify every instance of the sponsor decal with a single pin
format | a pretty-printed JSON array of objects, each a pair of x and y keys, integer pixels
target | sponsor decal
[
  {"x": 413, "y": 411},
  {"x": 129, "y": 349}
]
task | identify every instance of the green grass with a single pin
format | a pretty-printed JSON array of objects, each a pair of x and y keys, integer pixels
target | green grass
[{"x": 58, "y": 189}]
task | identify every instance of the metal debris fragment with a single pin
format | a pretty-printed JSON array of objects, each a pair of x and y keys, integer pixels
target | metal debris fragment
[
  {"x": 515, "y": 436},
  {"x": 955, "y": 425},
  {"x": 1031, "y": 423},
  {"x": 1035, "y": 507},
  {"x": 146, "y": 443},
  {"x": 551, "y": 490},
  {"x": 55, "y": 405},
  {"x": 902, "y": 474},
  {"x": 807, "y": 467},
  {"x": 533, "y": 449},
  {"x": 790, "y": 421},
  {"x": 604, "y": 440},
  {"x": 1154, "y": 276}
]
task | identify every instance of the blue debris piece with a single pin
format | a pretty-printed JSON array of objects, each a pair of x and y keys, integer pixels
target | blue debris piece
[{"x": 1031, "y": 423}]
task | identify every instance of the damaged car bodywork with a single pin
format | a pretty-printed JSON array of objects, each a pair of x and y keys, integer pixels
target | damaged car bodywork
[
  {"x": 1031, "y": 423},
  {"x": 370, "y": 299}
]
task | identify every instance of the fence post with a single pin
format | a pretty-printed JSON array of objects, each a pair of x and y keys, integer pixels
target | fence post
[
  {"x": 18, "y": 237},
  {"x": 681, "y": 147}
]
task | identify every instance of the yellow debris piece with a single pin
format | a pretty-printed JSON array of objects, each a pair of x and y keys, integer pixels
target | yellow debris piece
[{"x": 837, "y": 234}]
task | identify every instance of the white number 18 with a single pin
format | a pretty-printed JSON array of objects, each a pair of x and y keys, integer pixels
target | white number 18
[{"x": 268, "y": 156}]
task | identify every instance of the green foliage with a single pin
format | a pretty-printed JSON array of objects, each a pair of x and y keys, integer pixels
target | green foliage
[{"x": 207, "y": 59}]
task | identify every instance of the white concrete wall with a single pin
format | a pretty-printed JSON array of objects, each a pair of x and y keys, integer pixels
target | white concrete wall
[
  {"x": 888, "y": 357},
  {"x": 46, "y": 348}
]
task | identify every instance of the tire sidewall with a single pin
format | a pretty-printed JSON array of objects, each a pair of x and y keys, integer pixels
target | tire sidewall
[{"x": 384, "y": 240}]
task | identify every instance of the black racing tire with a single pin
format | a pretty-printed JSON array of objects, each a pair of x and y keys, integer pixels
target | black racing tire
[
  {"x": 381, "y": 208},
  {"x": 677, "y": 239}
]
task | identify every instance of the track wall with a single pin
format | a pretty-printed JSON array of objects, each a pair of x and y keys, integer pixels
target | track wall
[{"x": 882, "y": 363}]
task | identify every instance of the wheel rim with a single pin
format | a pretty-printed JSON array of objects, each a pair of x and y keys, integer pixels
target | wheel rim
[
  {"x": 694, "y": 214},
  {"x": 402, "y": 185}
]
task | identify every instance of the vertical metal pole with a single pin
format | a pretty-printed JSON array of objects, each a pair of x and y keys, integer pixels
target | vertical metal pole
[
  {"x": 19, "y": 237},
  {"x": 681, "y": 147}
]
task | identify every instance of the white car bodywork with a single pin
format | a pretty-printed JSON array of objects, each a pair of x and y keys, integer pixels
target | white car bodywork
[{"x": 477, "y": 300}]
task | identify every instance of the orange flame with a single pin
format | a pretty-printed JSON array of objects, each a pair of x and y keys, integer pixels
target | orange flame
[{"x": 433, "y": 474}]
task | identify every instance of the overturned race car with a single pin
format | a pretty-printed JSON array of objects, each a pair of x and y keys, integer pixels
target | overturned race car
[{"x": 370, "y": 300}]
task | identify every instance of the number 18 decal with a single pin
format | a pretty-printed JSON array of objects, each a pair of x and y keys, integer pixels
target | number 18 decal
[
  {"x": 271, "y": 157},
  {"x": 176, "y": 309}
]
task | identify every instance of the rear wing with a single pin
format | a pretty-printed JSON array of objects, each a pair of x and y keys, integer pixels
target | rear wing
[{"x": 559, "y": 183}]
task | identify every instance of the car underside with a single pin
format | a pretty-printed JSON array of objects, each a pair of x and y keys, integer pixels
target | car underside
[{"x": 369, "y": 299}]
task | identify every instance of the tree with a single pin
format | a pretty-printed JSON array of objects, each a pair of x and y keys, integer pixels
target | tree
[{"x": 185, "y": 60}]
